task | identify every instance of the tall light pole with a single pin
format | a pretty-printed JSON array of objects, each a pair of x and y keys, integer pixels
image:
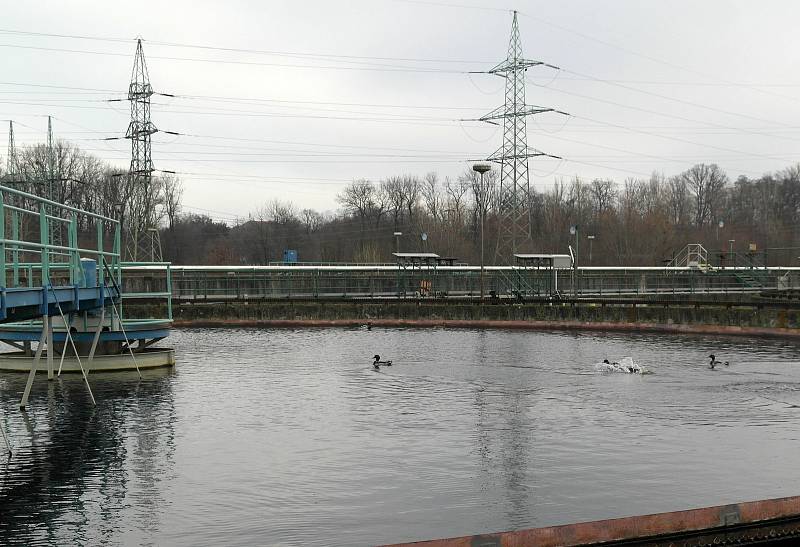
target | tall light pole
[
  {"x": 482, "y": 168},
  {"x": 573, "y": 230},
  {"x": 397, "y": 237},
  {"x": 591, "y": 240},
  {"x": 720, "y": 225}
]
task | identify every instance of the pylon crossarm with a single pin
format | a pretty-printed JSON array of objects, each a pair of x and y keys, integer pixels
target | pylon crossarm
[
  {"x": 526, "y": 155},
  {"x": 517, "y": 64}
]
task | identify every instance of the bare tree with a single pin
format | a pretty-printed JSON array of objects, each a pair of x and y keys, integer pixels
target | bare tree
[
  {"x": 173, "y": 192},
  {"x": 395, "y": 197},
  {"x": 678, "y": 200},
  {"x": 281, "y": 212},
  {"x": 603, "y": 193},
  {"x": 411, "y": 190},
  {"x": 312, "y": 220},
  {"x": 456, "y": 191},
  {"x": 432, "y": 195},
  {"x": 358, "y": 199},
  {"x": 706, "y": 182}
]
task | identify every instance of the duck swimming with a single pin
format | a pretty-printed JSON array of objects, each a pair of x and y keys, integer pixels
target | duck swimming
[
  {"x": 714, "y": 362},
  {"x": 627, "y": 366},
  {"x": 377, "y": 363}
]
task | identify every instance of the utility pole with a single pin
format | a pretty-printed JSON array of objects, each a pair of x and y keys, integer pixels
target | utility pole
[
  {"x": 140, "y": 130},
  {"x": 514, "y": 196}
]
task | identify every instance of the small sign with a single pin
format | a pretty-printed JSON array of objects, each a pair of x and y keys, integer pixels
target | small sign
[
  {"x": 752, "y": 247},
  {"x": 290, "y": 256}
]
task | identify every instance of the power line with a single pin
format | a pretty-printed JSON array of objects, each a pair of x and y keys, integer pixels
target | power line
[
  {"x": 417, "y": 120},
  {"x": 645, "y": 56},
  {"x": 681, "y": 101},
  {"x": 387, "y": 68},
  {"x": 676, "y": 139},
  {"x": 244, "y": 50},
  {"x": 672, "y": 116}
]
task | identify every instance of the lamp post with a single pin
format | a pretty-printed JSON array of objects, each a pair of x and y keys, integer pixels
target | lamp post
[
  {"x": 591, "y": 240},
  {"x": 573, "y": 230},
  {"x": 397, "y": 237},
  {"x": 720, "y": 225},
  {"x": 482, "y": 168}
]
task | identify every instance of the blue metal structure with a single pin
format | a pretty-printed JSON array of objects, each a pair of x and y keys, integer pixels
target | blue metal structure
[
  {"x": 57, "y": 281},
  {"x": 47, "y": 291}
]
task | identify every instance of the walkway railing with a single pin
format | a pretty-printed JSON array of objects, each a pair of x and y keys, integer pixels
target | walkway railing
[
  {"x": 20, "y": 212},
  {"x": 199, "y": 283}
]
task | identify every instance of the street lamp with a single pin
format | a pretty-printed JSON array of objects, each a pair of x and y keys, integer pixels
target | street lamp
[
  {"x": 397, "y": 237},
  {"x": 720, "y": 225},
  {"x": 482, "y": 168},
  {"x": 573, "y": 230},
  {"x": 591, "y": 240}
]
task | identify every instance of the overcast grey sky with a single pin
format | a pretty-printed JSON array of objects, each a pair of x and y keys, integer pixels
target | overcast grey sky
[{"x": 372, "y": 88}]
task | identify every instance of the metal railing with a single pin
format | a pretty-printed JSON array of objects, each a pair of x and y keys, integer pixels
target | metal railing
[
  {"x": 198, "y": 283},
  {"x": 16, "y": 207}
]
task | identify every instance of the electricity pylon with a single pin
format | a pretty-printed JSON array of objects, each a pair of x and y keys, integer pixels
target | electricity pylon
[
  {"x": 514, "y": 196},
  {"x": 11, "y": 160},
  {"x": 140, "y": 130}
]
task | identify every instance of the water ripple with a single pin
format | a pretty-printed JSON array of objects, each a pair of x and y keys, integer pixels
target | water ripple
[{"x": 289, "y": 437}]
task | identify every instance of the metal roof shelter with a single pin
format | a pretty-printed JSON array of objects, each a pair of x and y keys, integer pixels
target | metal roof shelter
[
  {"x": 446, "y": 260},
  {"x": 544, "y": 261},
  {"x": 416, "y": 258}
]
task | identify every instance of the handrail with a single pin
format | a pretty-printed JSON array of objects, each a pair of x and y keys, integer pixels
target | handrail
[
  {"x": 55, "y": 203},
  {"x": 34, "y": 213},
  {"x": 47, "y": 246}
]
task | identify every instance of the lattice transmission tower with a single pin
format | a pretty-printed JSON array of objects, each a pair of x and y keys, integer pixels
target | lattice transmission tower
[
  {"x": 513, "y": 198},
  {"x": 53, "y": 176},
  {"x": 11, "y": 159},
  {"x": 140, "y": 232},
  {"x": 51, "y": 161}
]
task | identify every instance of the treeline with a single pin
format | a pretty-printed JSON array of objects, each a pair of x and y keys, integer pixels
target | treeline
[
  {"x": 633, "y": 222},
  {"x": 74, "y": 177}
]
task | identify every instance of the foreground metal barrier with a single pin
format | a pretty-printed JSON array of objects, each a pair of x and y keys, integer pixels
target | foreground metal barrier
[{"x": 766, "y": 522}]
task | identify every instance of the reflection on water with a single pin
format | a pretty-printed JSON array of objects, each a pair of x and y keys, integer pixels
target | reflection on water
[
  {"x": 79, "y": 470},
  {"x": 290, "y": 438}
]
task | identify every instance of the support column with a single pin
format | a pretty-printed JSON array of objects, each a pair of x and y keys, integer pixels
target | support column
[
  {"x": 24, "y": 402},
  {"x": 96, "y": 339},
  {"x": 48, "y": 326}
]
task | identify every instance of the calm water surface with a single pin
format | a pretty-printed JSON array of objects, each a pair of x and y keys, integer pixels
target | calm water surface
[{"x": 282, "y": 437}]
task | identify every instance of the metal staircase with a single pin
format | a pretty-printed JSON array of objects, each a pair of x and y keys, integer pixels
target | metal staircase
[{"x": 694, "y": 255}]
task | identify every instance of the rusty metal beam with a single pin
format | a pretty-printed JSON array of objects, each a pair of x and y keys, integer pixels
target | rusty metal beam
[{"x": 774, "y": 521}]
